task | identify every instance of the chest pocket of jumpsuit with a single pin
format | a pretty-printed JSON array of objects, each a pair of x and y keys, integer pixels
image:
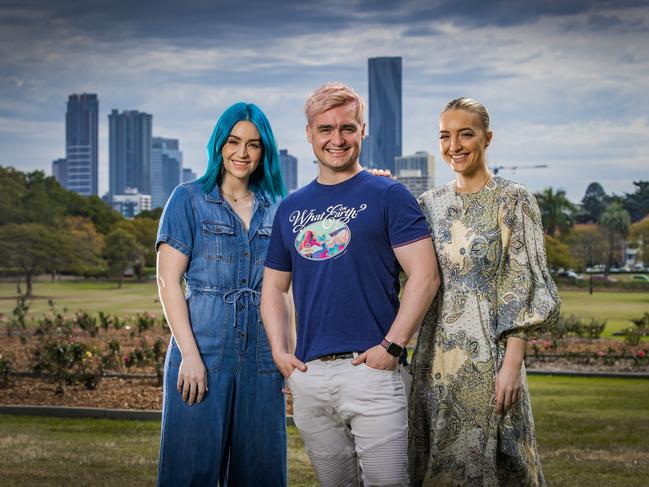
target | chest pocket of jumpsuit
[
  {"x": 220, "y": 241},
  {"x": 263, "y": 239}
]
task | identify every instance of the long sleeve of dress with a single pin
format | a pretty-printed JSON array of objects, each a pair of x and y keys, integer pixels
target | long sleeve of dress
[{"x": 528, "y": 301}]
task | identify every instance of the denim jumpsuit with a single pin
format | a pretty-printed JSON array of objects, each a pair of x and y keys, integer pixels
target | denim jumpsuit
[{"x": 237, "y": 435}]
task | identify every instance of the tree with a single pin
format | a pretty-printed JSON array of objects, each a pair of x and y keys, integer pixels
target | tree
[
  {"x": 121, "y": 251},
  {"x": 557, "y": 213},
  {"x": 30, "y": 247},
  {"x": 593, "y": 203},
  {"x": 639, "y": 238},
  {"x": 558, "y": 254},
  {"x": 96, "y": 210},
  {"x": 615, "y": 220},
  {"x": 587, "y": 246},
  {"x": 152, "y": 214},
  {"x": 145, "y": 231},
  {"x": 88, "y": 245},
  {"x": 637, "y": 203}
]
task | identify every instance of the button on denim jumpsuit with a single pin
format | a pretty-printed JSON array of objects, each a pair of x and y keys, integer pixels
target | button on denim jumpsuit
[{"x": 237, "y": 435}]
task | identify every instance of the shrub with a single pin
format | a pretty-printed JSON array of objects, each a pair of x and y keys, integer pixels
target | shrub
[
  {"x": 18, "y": 319},
  {"x": 5, "y": 369},
  {"x": 87, "y": 323},
  {"x": 573, "y": 326},
  {"x": 61, "y": 358}
]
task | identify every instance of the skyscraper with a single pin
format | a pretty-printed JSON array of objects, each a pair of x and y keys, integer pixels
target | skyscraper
[
  {"x": 129, "y": 140},
  {"x": 416, "y": 172},
  {"x": 60, "y": 171},
  {"x": 81, "y": 144},
  {"x": 188, "y": 174},
  {"x": 166, "y": 169},
  {"x": 288, "y": 164},
  {"x": 384, "y": 75}
]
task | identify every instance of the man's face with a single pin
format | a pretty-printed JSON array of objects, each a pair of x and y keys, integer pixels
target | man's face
[{"x": 336, "y": 137}]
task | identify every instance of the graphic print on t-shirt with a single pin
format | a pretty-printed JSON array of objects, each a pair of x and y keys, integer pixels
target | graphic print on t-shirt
[{"x": 324, "y": 235}]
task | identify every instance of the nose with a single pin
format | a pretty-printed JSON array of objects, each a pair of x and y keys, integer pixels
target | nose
[
  {"x": 455, "y": 143},
  {"x": 337, "y": 138},
  {"x": 242, "y": 150}
]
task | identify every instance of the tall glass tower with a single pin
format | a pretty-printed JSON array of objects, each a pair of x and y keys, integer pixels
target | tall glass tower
[
  {"x": 288, "y": 165},
  {"x": 384, "y": 75},
  {"x": 166, "y": 169},
  {"x": 129, "y": 154},
  {"x": 81, "y": 144}
]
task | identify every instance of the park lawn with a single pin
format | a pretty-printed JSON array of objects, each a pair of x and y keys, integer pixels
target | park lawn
[
  {"x": 590, "y": 431},
  {"x": 99, "y": 452},
  {"x": 616, "y": 307},
  {"x": 92, "y": 296}
]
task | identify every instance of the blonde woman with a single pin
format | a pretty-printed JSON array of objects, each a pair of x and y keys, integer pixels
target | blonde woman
[{"x": 470, "y": 414}]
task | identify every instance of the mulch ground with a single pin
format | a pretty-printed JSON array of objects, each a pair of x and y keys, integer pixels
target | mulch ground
[{"x": 113, "y": 393}]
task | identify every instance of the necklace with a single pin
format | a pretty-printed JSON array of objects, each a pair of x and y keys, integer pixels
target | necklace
[{"x": 236, "y": 199}]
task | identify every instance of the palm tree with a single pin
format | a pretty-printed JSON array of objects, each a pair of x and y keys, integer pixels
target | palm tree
[
  {"x": 557, "y": 212},
  {"x": 617, "y": 222}
]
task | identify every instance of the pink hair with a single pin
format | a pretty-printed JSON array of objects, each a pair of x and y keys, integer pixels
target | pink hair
[{"x": 332, "y": 95}]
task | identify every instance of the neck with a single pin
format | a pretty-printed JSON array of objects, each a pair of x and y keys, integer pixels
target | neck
[
  {"x": 234, "y": 187},
  {"x": 329, "y": 176},
  {"x": 474, "y": 182}
]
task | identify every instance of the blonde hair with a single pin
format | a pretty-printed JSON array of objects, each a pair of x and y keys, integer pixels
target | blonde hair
[
  {"x": 472, "y": 106},
  {"x": 332, "y": 95}
]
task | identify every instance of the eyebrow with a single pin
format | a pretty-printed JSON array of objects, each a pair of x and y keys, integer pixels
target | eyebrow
[
  {"x": 330, "y": 126},
  {"x": 239, "y": 138},
  {"x": 458, "y": 130}
]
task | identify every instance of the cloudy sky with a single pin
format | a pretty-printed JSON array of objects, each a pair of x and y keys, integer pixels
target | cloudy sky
[{"x": 566, "y": 81}]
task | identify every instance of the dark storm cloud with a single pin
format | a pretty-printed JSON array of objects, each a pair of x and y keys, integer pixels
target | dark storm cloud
[
  {"x": 603, "y": 23},
  {"x": 204, "y": 22}
]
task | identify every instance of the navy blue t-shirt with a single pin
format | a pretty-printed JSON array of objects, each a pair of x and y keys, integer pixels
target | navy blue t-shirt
[{"x": 338, "y": 240}]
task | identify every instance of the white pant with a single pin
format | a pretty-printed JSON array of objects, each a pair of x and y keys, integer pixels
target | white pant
[{"x": 353, "y": 421}]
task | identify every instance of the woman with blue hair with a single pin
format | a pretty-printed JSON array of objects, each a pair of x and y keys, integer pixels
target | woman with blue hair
[{"x": 223, "y": 417}]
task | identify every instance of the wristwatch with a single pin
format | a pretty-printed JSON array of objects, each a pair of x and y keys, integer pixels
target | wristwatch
[{"x": 392, "y": 348}]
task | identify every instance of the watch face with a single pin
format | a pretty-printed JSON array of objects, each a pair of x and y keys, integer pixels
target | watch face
[{"x": 394, "y": 349}]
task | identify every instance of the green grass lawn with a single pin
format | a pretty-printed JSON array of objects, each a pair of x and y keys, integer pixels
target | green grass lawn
[
  {"x": 91, "y": 296},
  {"x": 616, "y": 307},
  {"x": 590, "y": 431}
]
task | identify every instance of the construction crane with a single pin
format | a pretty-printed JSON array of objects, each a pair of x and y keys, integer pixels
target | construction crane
[{"x": 496, "y": 169}]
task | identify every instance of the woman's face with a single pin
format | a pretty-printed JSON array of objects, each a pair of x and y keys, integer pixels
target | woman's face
[
  {"x": 242, "y": 151},
  {"x": 462, "y": 141}
]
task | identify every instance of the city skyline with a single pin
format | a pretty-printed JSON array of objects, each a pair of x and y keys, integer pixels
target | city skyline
[{"x": 564, "y": 81}]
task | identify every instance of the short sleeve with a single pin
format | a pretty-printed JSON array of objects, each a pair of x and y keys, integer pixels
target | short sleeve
[
  {"x": 405, "y": 221},
  {"x": 528, "y": 301},
  {"x": 278, "y": 256},
  {"x": 177, "y": 222}
]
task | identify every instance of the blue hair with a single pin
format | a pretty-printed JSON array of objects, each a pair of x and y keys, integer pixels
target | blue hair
[{"x": 268, "y": 176}]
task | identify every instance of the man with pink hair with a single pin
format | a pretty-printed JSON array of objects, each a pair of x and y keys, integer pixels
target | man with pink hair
[{"x": 349, "y": 397}]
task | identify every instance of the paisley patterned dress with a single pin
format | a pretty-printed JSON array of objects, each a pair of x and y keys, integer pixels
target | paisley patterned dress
[{"x": 495, "y": 284}]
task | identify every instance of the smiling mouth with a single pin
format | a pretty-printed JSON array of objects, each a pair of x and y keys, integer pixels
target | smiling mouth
[
  {"x": 459, "y": 157},
  {"x": 337, "y": 152},
  {"x": 240, "y": 163}
]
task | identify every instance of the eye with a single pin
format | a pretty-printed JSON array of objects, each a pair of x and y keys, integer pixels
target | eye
[
  {"x": 443, "y": 137},
  {"x": 232, "y": 141},
  {"x": 467, "y": 135},
  {"x": 254, "y": 145}
]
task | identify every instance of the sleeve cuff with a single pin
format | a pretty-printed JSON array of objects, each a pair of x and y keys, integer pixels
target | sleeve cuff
[{"x": 176, "y": 244}]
